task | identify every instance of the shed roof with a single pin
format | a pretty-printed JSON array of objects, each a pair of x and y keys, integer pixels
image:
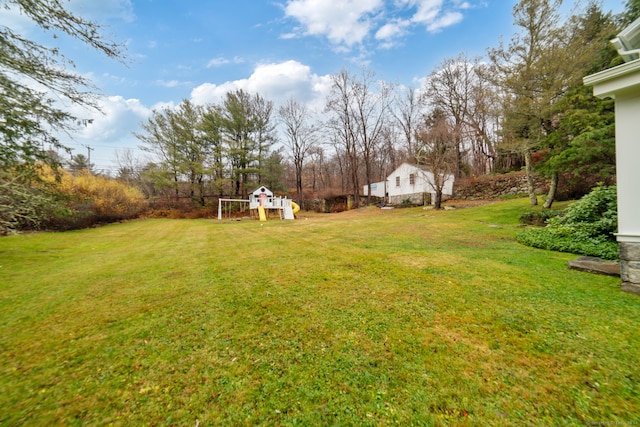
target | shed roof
[{"x": 262, "y": 190}]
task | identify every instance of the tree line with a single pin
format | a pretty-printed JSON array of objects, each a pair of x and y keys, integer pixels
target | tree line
[
  {"x": 214, "y": 149},
  {"x": 523, "y": 105}
]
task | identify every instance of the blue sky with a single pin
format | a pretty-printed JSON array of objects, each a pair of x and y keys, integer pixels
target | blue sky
[{"x": 200, "y": 49}]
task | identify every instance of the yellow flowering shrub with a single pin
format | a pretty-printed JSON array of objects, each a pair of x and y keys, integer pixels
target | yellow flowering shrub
[{"x": 94, "y": 198}]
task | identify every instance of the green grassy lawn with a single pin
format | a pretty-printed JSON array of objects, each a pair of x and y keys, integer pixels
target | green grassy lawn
[{"x": 369, "y": 317}]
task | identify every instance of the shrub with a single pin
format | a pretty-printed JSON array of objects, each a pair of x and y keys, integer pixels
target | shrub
[
  {"x": 91, "y": 199},
  {"x": 25, "y": 202},
  {"x": 549, "y": 239},
  {"x": 594, "y": 215},
  {"x": 586, "y": 227},
  {"x": 539, "y": 218},
  {"x": 112, "y": 200}
]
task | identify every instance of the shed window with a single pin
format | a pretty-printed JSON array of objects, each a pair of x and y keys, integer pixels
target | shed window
[
  {"x": 397, "y": 181},
  {"x": 412, "y": 178}
]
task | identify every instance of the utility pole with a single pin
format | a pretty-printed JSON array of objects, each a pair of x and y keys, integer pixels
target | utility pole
[{"x": 89, "y": 150}]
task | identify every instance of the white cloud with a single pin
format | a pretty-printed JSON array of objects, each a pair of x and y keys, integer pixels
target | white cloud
[
  {"x": 220, "y": 61},
  {"x": 447, "y": 20},
  {"x": 392, "y": 30},
  {"x": 171, "y": 83},
  {"x": 118, "y": 119},
  {"x": 460, "y": 4},
  {"x": 346, "y": 22},
  {"x": 159, "y": 106},
  {"x": 427, "y": 10},
  {"x": 217, "y": 62},
  {"x": 349, "y": 23},
  {"x": 276, "y": 82},
  {"x": 210, "y": 93},
  {"x": 108, "y": 130}
]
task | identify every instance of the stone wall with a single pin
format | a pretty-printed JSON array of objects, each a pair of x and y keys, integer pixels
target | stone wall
[
  {"x": 496, "y": 186},
  {"x": 414, "y": 199}
]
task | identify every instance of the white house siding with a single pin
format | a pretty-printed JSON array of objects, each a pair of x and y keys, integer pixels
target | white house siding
[{"x": 377, "y": 189}]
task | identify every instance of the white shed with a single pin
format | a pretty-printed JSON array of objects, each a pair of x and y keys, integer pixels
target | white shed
[
  {"x": 411, "y": 182},
  {"x": 378, "y": 189}
]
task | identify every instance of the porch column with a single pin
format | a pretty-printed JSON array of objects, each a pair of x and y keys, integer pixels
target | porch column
[{"x": 623, "y": 84}]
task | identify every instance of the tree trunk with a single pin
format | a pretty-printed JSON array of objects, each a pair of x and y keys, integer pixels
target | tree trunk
[
  {"x": 437, "y": 203},
  {"x": 458, "y": 158},
  {"x": 368, "y": 173},
  {"x": 299, "y": 182},
  {"x": 355, "y": 180},
  {"x": 553, "y": 187},
  {"x": 201, "y": 190},
  {"x": 530, "y": 186}
]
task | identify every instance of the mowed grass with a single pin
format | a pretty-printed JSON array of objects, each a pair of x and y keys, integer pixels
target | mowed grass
[{"x": 369, "y": 317}]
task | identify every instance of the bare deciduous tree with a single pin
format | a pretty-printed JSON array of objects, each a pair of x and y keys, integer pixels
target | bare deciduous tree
[
  {"x": 370, "y": 109},
  {"x": 449, "y": 89},
  {"x": 437, "y": 151},
  {"x": 408, "y": 111},
  {"x": 339, "y": 106},
  {"x": 483, "y": 121},
  {"x": 300, "y": 137}
]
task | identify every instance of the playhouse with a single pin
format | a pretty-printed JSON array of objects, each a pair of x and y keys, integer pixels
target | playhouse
[{"x": 262, "y": 201}]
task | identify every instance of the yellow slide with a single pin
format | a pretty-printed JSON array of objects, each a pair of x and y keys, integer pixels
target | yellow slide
[
  {"x": 263, "y": 216},
  {"x": 295, "y": 207}
]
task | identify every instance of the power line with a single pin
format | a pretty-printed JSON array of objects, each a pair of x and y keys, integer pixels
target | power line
[{"x": 123, "y": 147}]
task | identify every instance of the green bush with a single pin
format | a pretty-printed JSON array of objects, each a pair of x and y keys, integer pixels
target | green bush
[
  {"x": 594, "y": 215},
  {"x": 586, "y": 227},
  {"x": 546, "y": 238},
  {"x": 539, "y": 218}
]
